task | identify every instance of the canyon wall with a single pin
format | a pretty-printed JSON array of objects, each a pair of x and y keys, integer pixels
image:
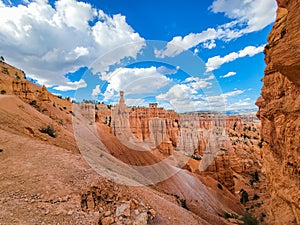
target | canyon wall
[{"x": 279, "y": 111}]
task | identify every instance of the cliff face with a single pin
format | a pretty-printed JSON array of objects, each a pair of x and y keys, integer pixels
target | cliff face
[{"x": 279, "y": 111}]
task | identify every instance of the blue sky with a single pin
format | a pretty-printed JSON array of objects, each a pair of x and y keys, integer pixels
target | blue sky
[{"x": 187, "y": 55}]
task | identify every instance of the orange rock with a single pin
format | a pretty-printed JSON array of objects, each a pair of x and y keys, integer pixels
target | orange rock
[{"x": 280, "y": 117}]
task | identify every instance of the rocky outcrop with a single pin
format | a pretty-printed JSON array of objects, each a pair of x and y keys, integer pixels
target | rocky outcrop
[
  {"x": 11, "y": 79},
  {"x": 220, "y": 169},
  {"x": 279, "y": 111},
  {"x": 114, "y": 204},
  {"x": 156, "y": 126},
  {"x": 283, "y": 42},
  {"x": 44, "y": 94},
  {"x": 144, "y": 128}
]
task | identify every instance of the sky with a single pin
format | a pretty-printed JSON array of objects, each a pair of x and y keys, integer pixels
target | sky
[{"x": 186, "y": 55}]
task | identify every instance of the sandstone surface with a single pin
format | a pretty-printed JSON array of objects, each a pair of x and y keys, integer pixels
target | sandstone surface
[{"x": 279, "y": 107}]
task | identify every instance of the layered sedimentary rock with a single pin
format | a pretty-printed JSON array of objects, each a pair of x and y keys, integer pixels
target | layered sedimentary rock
[
  {"x": 279, "y": 111},
  {"x": 195, "y": 136},
  {"x": 157, "y": 126}
]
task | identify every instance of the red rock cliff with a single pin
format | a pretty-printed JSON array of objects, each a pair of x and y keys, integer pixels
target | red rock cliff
[{"x": 279, "y": 111}]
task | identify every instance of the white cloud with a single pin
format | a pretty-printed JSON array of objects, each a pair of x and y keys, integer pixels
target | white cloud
[
  {"x": 73, "y": 14},
  {"x": 48, "y": 42},
  {"x": 247, "y": 16},
  {"x": 178, "y": 93},
  {"x": 209, "y": 44},
  {"x": 135, "y": 81},
  {"x": 179, "y": 44},
  {"x": 167, "y": 71},
  {"x": 196, "y": 51},
  {"x": 179, "y": 97},
  {"x": 96, "y": 91},
  {"x": 251, "y": 12},
  {"x": 240, "y": 104},
  {"x": 229, "y": 74},
  {"x": 232, "y": 93},
  {"x": 69, "y": 86},
  {"x": 196, "y": 83},
  {"x": 221, "y": 100},
  {"x": 216, "y": 61},
  {"x": 81, "y": 51},
  {"x": 185, "y": 96}
]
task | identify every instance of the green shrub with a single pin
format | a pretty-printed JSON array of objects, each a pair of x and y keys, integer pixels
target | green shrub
[
  {"x": 255, "y": 197},
  {"x": 196, "y": 157},
  {"x": 220, "y": 186},
  {"x": 227, "y": 215},
  {"x": 244, "y": 198},
  {"x": 48, "y": 130},
  {"x": 246, "y": 136},
  {"x": 183, "y": 204},
  {"x": 262, "y": 217},
  {"x": 260, "y": 144},
  {"x": 5, "y": 71},
  {"x": 234, "y": 125},
  {"x": 255, "y": 176},
  {"x": 230, "y": 215},
  {"x": 3, "y": 92},
  {"x": 249, "y": 220}
]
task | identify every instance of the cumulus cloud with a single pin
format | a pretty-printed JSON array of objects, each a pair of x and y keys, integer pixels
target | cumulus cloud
[
  {"x": 179, "y": 44},
  {"x": 209, "y": 44},
  {"x": 216, "y": 61},
  {"x": 252, "y": 12},
  {"x": 69, "y": 86},
  {"x": 185, "y": 96},
  {"x": 178, "y": 97},
  {"x": 73, "y": 14},
  {"x": 229, "y": 74},
  {"x": 247, "y": 16},
  {"x": 135, "y": 81},
  {"x": 96, "y": 91},
  {"x": 197, "y": 83},
  {"x": 48, "y": 42}
]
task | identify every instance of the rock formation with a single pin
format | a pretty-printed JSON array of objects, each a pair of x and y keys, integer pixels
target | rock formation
[
  {"x": 44, "y": 94},
  {"x": 279, "y": 111},
  {"x": 146, "y": 128},
  {"x": 196, "y": 136},
  {"x": 114, "y": 204}
]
